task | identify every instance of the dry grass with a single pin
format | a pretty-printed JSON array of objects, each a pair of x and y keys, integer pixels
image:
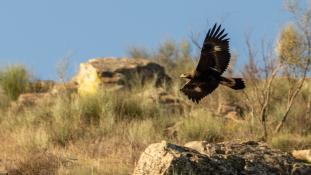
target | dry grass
[
  {"x": 201, "y": 126},
  {"x": 289, "y": 142},
  {"x": 103, "y": 134},
  {"x": 106, "y": 133}
]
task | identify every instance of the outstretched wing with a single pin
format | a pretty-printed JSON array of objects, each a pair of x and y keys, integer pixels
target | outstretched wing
[
  {"x": 195, "y": 90},
  {"x": 215, "y": 51}
]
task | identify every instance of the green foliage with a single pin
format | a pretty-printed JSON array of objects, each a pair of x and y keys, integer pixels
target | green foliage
[
  {"x": 64, "y": 122},
  {"x": 289, "y": 142},
  {"x": 290, "y": 46},
  {"x": 5, "y": 100},
  {"x": 136, "y": 53},
  {"x": 202, "y": 126},
  {"x": 142, "y": 132},
  {"x": 14, "y": 80},
  {"x": 69, "y": 117},
  {"x": 90, "y": 109},
  {"x": 126, "y": 107},
  {"x": 177, "y": 58}
]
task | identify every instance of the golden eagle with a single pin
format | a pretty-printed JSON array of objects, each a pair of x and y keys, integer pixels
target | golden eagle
[{"x": 214, "y": 60}]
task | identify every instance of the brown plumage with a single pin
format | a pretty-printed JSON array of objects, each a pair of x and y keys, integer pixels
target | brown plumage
[{"x": 214, "y": 60}]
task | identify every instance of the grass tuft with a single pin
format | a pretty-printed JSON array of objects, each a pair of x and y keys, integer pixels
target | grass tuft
[
  {"x": 201, "y": 126},
  {"x": 289, "y": 142}
]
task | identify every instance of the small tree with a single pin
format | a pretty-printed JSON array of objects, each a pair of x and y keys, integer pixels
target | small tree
[
  {"x": 294, "y": 52},
  {"x": 175, "y": 57},
  {"x": 136, "y": 53},
  {"x": 260, "y": 78},
  {"x": 62, "y": 67}
]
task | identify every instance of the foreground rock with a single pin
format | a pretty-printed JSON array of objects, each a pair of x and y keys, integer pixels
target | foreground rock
[
  {"x": 304, "y": 155},
  {"x": 201, "y": 158},
  {"x": 117, "y": 73}
]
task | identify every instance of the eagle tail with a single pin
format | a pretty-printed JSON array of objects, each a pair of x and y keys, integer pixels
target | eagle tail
[{"x": 233, "y": 83}]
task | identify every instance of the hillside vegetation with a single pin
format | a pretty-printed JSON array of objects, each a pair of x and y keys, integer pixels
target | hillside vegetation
[{"x": 105, "y": 133}]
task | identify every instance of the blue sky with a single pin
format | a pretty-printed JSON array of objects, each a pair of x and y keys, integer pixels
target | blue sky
[{"x": 38, "y": 33}]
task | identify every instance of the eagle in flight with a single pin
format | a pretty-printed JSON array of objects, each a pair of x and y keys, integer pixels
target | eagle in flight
[{"x": 214, "y": 60}]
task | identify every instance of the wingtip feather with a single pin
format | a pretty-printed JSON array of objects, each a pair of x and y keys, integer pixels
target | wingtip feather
[{"x": 216, "y": 32}]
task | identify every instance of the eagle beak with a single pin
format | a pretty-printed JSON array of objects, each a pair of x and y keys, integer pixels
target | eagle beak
[{"x": 183, "y": 76}]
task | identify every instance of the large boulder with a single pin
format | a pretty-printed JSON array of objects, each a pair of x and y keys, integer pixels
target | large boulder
[
  {"x": 117, "y": 73},
  {"x": 304, "y": 155},
  {"x": 234, "y": 158}
]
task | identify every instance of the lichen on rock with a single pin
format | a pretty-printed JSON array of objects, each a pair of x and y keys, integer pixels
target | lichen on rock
[{"x": 202, "y": 158}]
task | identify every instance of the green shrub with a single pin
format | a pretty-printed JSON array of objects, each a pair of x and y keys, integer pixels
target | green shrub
[
  {"x": 175, "y": 57},
  {"x": 202, "y": 126},
  {"x": 142, "y": 132},
  {"x": 65, "y": 122},
  {"x": 90, "y": 109},
  {"x": 289, "y": 142},
  {"x": 5, "y": 100},
  {"x": 126, "y": 108},
  {"x": 14, "y": 80}
]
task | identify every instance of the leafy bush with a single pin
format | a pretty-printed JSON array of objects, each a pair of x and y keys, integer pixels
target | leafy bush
[
  {"x": 142, "y": 132},
  {"x": 14, "y": 80},
  {"x": 202, "y": 126},
  {"x": 90, "y": 109},
  {"x": 175, "y": 57},
  {"x": 5, "y": 100}
]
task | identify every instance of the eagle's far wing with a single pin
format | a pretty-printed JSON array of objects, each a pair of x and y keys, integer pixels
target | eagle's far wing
[
  {"x": 215, "y": 51},
  {"x": 195, "y": 91}
]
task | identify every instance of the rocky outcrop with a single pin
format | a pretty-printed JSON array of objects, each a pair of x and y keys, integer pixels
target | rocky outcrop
[
  {"x": 165, "y": 99},
  {"x": 117, "y": 73},
  {"x": 29, "y": 99},
  {"x": 108, "y": 74},
  {"x": 230, "y": 111},
  {"x": 47, "y": 96},
  {"x": 202, "y": 158}
]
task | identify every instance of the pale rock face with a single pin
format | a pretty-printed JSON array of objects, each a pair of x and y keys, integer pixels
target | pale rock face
[
  {"x": 154, "y": 160},
  {"x": 87, "y": 79},
  {"x": 117, "y": 73},
  {"x": 304, "y": 155},
  {"x": 234, "y": 158}
]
